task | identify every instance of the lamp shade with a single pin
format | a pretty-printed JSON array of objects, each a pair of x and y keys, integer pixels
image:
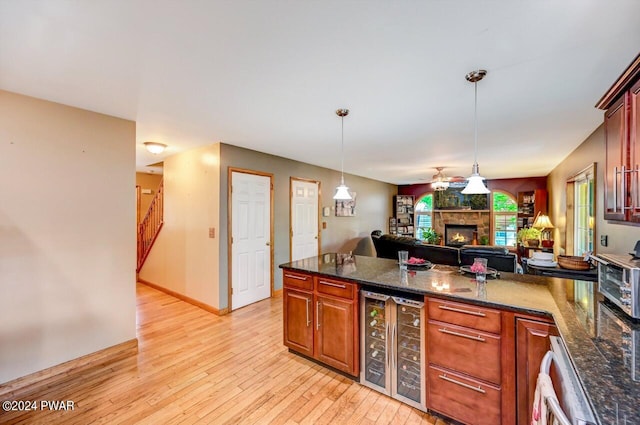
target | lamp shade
[
  {"x": 342, "y": 193},
  {"x": 155, "y": 147},
  {"x": 542, "y": 222},
  {"x": 475, "y": 186}
]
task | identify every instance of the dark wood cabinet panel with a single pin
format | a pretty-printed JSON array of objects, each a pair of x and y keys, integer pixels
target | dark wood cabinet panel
[
  {"x": 298, "y": 320},
  {"x": 616, "y": 136},
  {"x": 634, "y": 155},
  {"x": 465, "y": 350},
  {"x": 532, "y": 343},
  {"x": 321, "y": 320},
  {"x": 463, "y": 398},
  {"x": 481, "y": 318},
  {"x": 334, "y": 337}
]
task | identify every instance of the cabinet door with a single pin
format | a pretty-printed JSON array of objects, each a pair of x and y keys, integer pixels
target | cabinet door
[
  {"x": 616, "y": 136},
  {"x": 634, "y": 144},
  {"x": 334, "y": 341},
  {"x": 532, "y": 343},
  {"x": 298, "y": 320}
]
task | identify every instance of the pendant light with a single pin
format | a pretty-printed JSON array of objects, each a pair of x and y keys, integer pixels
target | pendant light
[
  {"x": 475, "y": 182},
  {"x": 342, "y": 191},
  {"x": 440, "y": 182}
]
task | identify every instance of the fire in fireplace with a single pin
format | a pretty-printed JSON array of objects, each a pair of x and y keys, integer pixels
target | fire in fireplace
[{"x": 459, "y": 234}]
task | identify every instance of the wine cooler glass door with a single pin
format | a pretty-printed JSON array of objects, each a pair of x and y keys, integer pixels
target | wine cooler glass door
[
  {"x": 375, "y": 337},
  {"x": 408, "y": 344}
]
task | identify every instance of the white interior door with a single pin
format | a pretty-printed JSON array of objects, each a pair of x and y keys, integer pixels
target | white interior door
[
  {"x": 250, "y": 238},
  {"x": 304, "y": 219}
]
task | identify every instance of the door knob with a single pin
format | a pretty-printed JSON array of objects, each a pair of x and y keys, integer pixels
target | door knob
[{"x": 268, "y": 243}]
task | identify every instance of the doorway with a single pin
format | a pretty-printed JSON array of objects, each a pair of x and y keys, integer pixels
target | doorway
[
  {"x": 304, "y": 239},
  {"x": 250, "y": 237}
]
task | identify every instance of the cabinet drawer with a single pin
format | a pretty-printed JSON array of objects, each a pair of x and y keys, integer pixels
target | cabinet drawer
[
  {"x": 336, "y": 288},
  {"x": 464, "y": 350},
  {"x": 462, "y": 398},
  {"x": 470, "y": 316},
  {"x": 297, "y": 280}
]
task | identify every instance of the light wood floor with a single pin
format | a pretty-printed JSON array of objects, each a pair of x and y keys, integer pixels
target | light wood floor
[{"x": 195, "y": 367}]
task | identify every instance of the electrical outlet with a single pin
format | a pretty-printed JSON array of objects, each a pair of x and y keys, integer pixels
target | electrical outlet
[
  {"x": 212, "y": 232},
  {"x": 604, "y": 240}
]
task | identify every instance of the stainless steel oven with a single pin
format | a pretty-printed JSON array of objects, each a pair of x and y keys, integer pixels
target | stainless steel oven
[{"x": 619, "y": 281}]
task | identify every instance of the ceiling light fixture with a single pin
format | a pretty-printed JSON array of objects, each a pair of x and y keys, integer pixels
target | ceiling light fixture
[
  {"x": 475, "y": 182},
  {"x": 440, "y": 182},
  {"x": 342, "y": 191},
  {"x": 155, "y": 147}
]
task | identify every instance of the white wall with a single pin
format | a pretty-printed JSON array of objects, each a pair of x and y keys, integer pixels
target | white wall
[
  {"x": 67, "y": 233},
  {"x": 184, "y": 259}
]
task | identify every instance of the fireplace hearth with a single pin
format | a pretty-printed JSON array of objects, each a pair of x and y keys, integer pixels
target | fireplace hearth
[{"x": 459, "y": 234}]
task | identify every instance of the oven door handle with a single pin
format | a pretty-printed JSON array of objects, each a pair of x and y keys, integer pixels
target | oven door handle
[{"x": 599, "y": 260}]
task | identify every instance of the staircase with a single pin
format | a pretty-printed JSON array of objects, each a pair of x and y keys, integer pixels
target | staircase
[{"x": 150, "y": 226}]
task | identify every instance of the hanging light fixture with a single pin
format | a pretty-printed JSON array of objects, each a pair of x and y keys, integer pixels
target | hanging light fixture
[
  {"x": 440, "y": 182},
  {"x": 342, "y": 191},
  {"x": 475, "y": 182}
]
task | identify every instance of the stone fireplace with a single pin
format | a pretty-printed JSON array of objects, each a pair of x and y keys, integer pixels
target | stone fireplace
[
  {"x": 480, "y": 219},
  {"x": 459, "y": 234}
]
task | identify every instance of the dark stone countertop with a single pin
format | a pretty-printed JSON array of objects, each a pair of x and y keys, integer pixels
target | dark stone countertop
[{"x": 603, "y": 343}]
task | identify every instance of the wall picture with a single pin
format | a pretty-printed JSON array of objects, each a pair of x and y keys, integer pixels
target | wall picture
[{"x": 346, "y": 208}]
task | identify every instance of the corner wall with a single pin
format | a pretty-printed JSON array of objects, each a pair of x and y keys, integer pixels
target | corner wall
[
  {"x": 184, "y": 259},
  {"x": 621, "y": 237},
  {"x": 67, "y": 233},
  {"x": 343, "y": 234}
]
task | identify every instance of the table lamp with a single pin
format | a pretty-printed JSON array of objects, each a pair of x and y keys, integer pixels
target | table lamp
[{"x": 543, "y": 223}]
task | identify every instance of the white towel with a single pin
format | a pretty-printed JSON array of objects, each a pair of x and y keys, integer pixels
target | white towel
[{"x": 544, "y": 389}]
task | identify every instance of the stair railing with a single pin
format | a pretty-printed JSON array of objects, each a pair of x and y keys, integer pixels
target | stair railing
[{"x": 150, "y": 226}]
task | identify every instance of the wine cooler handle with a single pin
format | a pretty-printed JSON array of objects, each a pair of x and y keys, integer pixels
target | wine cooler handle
[
  {"x": 318, "y": 315},
  {"x": 393, "y": 348},
  {"x": 462, "y": 384},
  {"x": 473, "y": 337},
  {"x": 463, "y": 311},
  {"x": 307, "y": 310},
  {"x": 386, "y": 331}
]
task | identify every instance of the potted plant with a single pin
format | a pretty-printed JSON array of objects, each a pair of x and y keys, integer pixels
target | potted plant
[
  {"x": 430, "y": 236},
  {"x": 529, "y": 235}
]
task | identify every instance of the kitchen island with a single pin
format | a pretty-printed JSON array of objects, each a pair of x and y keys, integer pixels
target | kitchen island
[{"x": 595, "y": 333}]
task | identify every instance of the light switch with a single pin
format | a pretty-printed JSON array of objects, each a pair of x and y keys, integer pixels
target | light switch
[{"x": 212, "y": 232}]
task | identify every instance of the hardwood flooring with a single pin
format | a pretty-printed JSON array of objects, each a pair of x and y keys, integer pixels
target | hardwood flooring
[{"x": 195, "y": 367}]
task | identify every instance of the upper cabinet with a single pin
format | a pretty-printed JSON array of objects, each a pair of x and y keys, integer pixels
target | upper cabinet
[{"x": 622, "y": 165}]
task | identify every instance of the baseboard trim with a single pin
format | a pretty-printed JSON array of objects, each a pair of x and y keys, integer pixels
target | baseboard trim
[
  {"x": 12, "y": 389},
  {"x": 204, "y": 306}
]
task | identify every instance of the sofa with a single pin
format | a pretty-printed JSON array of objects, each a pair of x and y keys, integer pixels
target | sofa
[{"x": 498, "y": 257}]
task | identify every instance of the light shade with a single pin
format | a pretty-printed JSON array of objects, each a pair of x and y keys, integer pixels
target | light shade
[
  {"x": 475, "y": 185},
  {"x": 155, "y": 147},
  {"x": 342, "y": 193},
  {"x": 542, "y": 222}
]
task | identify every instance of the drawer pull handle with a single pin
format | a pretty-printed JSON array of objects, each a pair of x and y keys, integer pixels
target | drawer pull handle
[
  {"x": 459, "y": 310},
  {"x": 335, "y": 285},
  {"x": 293, "y": 276},
  {"x": 473, "y": 337},
  {"x": 462, "y": 384}
]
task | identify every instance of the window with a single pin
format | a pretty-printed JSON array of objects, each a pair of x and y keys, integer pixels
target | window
[
  {"x": 424, "y": 211},
  {"x": 583, "y": 213},
  {"x": 505, "y": 209}
]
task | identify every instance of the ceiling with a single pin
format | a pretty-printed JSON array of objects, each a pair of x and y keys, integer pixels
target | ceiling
[{"x": 268, "y": 75}]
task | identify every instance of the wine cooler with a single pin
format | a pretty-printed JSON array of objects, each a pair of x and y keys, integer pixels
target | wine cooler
[{"x": 392, "y": 353}]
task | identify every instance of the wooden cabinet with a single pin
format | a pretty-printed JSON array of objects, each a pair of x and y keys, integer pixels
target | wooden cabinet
[
  {"x": 321, "y": 320},
  {"x": 532, "y": 342},
  {"x": 622, "y": 163},
  {"x": 464, "y": 355},
  {"x": 401, "y": 223}
]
